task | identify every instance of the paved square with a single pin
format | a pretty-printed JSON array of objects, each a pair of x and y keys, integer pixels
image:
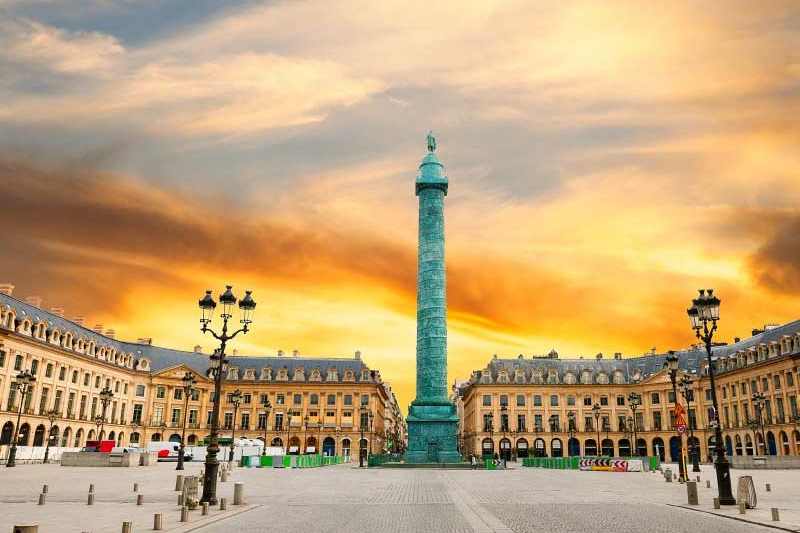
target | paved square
[{"x": 345, "y": 498}]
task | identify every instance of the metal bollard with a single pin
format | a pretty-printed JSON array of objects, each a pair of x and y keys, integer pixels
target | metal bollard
[
  {"x": 224, "y": 476},
  {"x": 223, "y": 504},
  {"x": 742, "y": 507},
  {"x": 179, "y": 482},
  {"x": 45, "y": 489},
  {"x": 91, "y": 487},
  {"x": 691, "y": 492},
  {"x": 180, "y": 499},
  {"x": 716, "y": 503},
  {"x": 127, "y": 527},
  {"x": 205, "y": 508},
  {"x": 698, "y": 479},
  {"x": 708, "y": 484},
  {"x": 139, "y": 499},
  {"x": 769, "y": 488},
  {"x": 42, "y": 498},
  {"x": 90, "y": 499},
  {"x": 184, "y": 514},
  {"x": 135, "y": 487},
  {"x": 238, "y": 493},
  {"x": 158, "y": 522},
  {"x": 29, "y": 528},
  {"x": 775, "y": 516}
]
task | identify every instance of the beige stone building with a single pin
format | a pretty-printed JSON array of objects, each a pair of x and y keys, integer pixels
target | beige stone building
[
  {"x": 73, "y": 364},
  {"x": 523, "y": 406}
]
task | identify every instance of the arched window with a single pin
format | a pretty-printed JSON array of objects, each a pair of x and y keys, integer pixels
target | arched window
[
  {"x": 619, "y": 377},
  {"x": 299, "y": 374},
  {"x": 266, "y": 374},
  {"x": 602, "y": 378},
  {"x": 586, "y": 377},
  {"x": 569, "y": 378}
]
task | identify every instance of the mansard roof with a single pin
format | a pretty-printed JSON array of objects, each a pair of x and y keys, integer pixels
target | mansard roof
[{"x": 158, "y": 358}]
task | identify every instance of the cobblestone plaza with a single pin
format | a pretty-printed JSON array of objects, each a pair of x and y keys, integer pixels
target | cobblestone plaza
[{"x": 346, "y": 498}]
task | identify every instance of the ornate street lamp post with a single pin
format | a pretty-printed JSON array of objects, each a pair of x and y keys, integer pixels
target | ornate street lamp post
[
  {"x": 703, "y": 316},
  {"x": 22, "y": 383},
  {"x": 52, "y": 415},
  {"x": 503, "y": 428},
  {"x": 671, "y": 364},
  {"x": 267, "y": 410},
  {"x": 305, "y": 435},
  {"x": 596, "y": 413},
  {"x": 236, "y": 399},
  {"x": 98, "y": 423},
  {"x": 571, "y": 430},
  {"x": 318, "y": 448},
  {"x": 371, "y": 431},
  {"x": 105, "y": 399},
  {"x": 288, "y": 429},
  {"x": 218, "y": 365},
  {"x": 188, "y": 387},
  {"x": 685, "y": 386},
  {"x": 363, "y": 413},
  {"x": 759, "y": 402},
  {"x": 133, "y": 425},
  {"x": 634, "y": 401}
]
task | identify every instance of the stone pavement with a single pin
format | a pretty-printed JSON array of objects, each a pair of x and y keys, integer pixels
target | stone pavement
[{"x": 345, "y": 498}]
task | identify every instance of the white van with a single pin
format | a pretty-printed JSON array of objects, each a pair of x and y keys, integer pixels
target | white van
[{"x": 167, "y": 451}]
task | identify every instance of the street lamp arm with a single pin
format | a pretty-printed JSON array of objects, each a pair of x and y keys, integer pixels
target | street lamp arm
[{"x": 225, "y": 337}]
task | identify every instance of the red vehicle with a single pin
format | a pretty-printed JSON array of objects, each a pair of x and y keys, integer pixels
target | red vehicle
[{"x": 99, "y": 446}]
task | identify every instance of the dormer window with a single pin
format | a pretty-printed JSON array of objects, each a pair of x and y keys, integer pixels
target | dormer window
[
  {"x": 333, "y": 375},
  {"x": 266, "y": 374},
  {"x": 299, "y": 374},
  {"x": 233, "y": 373},
  {"x": 316, "y": 375},
  {"x": 602, "y": 378},
  {"x": 552, "y": 377},
  {"x": 282, "y": 375},
  {"x": 349, "y": 376},
  {"x": 586, "y": 377}
]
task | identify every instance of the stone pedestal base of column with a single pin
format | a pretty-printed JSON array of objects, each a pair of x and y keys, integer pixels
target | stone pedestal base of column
[{"x": 432, "y": 434}]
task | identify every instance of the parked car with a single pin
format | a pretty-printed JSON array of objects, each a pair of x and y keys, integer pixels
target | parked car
[{"x": 167, "y": 451}]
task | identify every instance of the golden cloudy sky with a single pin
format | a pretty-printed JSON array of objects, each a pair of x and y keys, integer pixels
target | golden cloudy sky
[{"x": 606, "y": 159}]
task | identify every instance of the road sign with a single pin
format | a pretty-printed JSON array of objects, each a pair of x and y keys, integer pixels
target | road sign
[
  {"x": 679, "y": 410},
  {"x": 679, "y": 420},
  {"x": 681, "y": 429}
]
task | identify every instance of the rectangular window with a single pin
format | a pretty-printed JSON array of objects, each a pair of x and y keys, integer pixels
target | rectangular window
[
  {"x": 140, "y": 390},
  {"x": 554, "y": 423},
  {"x": 247, "y": 398},
  {"x": 537, "y": 421},
  {"x": 348, "y": 399},
  {"x": 34, "y": 367},
  {"x": 621, "y": 424},
  {"x": 228, "y": 421},
  {"x": 331, "y": 399},
  {"x": 733, "y": 391},
  {"x": 655, "y": 398},
  {"x": 177, "y": 394},
  {"x": 122, "y": 413},
  {"x": 671, "y": 398},
  {"x": 82, "y": 408},
  {"x": 537, "y": 400},
  {"x": 43, "y": 401},
  {"x": 2, "y": 358},
  {"x": 487, "y": 400},
  {"x": 71, "y": 404},
  {"x": 776, "y": 379},
  {"x": 279, "y": 421},
  {"x": 520, "y": 400},
  {"x": 137, "y": 413},
  {"x": 781, "y": 412},
  {"x": 158, "y": 415},
  {"x": 487, "y": 421},
  {"x": 176, "y": 417},
  {"x": 330, "y": 414},
  {"x": 314, "y": 399},
  {"x": 245, "y": 421},
  {"x": 708, "y": 395},
  {"x": 504, "y": 422},
  {"x": 621, "y": 401},
  {"x": 161, "y": 392},
  {"x": 192, "y": 417},
  {"x": 764, "y": 384},
  {"x": 262, "y": 421},
  {"x": 297, "y": 399},
  {"x": 62, "y": 374},
  {"x": 657, "y": 421},
  {"x": 724, "y": 392},
  {"x": 212, "y": 396},
  {"x": 48, "y": 371},
  {"x": 263, "y": 398},
  {"x": 116, "y": 386},
  {"x": 195, "y": 395},
  {"x": 793, "y": 405},
  {"x": 280, "y": 399},
  {"x": 571, "y": 400},
  {"x": 587, "y": 401},
  {"x": 345, "y": 414},
  {"x": 521, "y": 423},
  {"x": 74, "y": 376},
  {"x": 504, "y": 399},
  {"x": 554, "y": 400},
  {"x": 18, "y": 363},
  {"x": 727, "y": 420},
  {"x": 209, "y": 417},
  {"x": 789, "y": 379},
  {"x": 743, "y": 387},
  {"x": 692, "y": 419},
  {"x": 97, "y": 382},
  {"x": 736, "y": 416},
  {"x": 364, "y": 399},
  {"x": 603, "y": 400},
  {"x": 588, "y": 423}
]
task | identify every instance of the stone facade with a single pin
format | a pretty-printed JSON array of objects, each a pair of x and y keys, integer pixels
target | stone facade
[
  {"x": 73, "y": 364},
  {"x": 534, "y": 389}
]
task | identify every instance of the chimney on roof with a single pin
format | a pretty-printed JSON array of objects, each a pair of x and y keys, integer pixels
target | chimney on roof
[
  {"x": 280, "y": 353},
  {"x": 110, "y": 333},
  {"x": 599, "y": 356},
  {"x": 6, "y": 288},
  {"x": 617, "y": 355},
  {"x": 35, "y": 301},
  {"x": 295, "y": 353},
  {"x": 58, "y": 311},
  {"x": 358, "y": 354},
  {"x": 98, "y": 328},
  {"x": 653, "y": 350},
  {"x": 142, "y": 340},
  {"x": 198, "y": 349},
  {"x": 235, "y": 352},
  {"x": 737, "y": 339},
  {"x": 78, "y": 320}
]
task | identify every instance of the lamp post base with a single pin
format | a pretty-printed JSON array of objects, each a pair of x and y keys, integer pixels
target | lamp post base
[
  {"x": 180, "y": 459},
  {"x": 12, "y": 456},
  {"x": 723, "y": 469}
]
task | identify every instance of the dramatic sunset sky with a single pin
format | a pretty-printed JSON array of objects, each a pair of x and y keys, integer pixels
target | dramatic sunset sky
[{"x": 606, "y": 159}]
